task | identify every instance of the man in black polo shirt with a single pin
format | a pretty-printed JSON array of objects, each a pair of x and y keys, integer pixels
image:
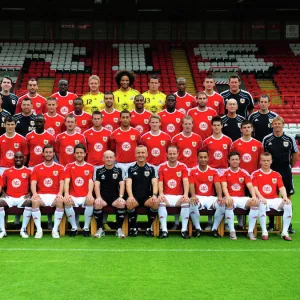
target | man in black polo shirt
[
  {"x": 9, "y": 100},
  {"x": 142, "y": 189},
  {"x": 232, "y": 121},
  {"x": 3, "y": 114},
  {"x": 262, "y": 119},
  {"x": 284, "y": 151},
  {"x": 109, "y": 190}
]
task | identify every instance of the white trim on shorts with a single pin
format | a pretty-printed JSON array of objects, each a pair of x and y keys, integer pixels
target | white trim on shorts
[
  {"x": 240, "y": 202},
  {"x": 11, "y": 201},
  {"x": 79, "y": 201},
  {"x": 173, "y": 199},
  {"x": 274, "y": 204},
  {"x": 206, "y": 202}
]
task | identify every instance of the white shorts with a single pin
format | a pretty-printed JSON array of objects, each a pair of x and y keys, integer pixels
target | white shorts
[
  {"x": 173, "y": 199},
  {"x": 221, "y": 172},
  {"x": 2, "y": 169},
  {"x": 240, "y": 202},
  {"x": 274, "y": 204},
  {"x": 79, "y": 201},
  {"x": 47, "y": 199},
  {"x": 11, "y": 201},
  {"x": 206, "y": 202},
  {"x": 124, "y": 167}
]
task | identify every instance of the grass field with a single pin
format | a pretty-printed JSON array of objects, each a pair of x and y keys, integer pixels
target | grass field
[{"x": 142, "y": 268}]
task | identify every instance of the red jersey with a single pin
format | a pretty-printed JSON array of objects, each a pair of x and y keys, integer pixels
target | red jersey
[
  {"x": 48, "y": 178},
  {"x": 36, "y": 143},
  {"x": 124, "y": 144},
  {"x": 17, "y": 181},
  {"x": 54, "y": 124},
  {"x": 216, "y": 101},
  {"x": 171, "y": 122},
  {"x": 83, "y": 122},
  {"x": 250, "y": 153},
  {"x": 64, "y": 146},
  {"x": 218, "y": 150},
  {"x": 157, "y": 146},
  {"x": 183, "y": 104},
  {"x": 8, "y": 148},
  {"x": 39, "y": 104},
  {"x": 204, "y": 181},
  {"x": 65, "y": 104},
  {"x": 97, "y": 144},
  {"x": 188, "y": 147},
  {"x": 79, "y": 176},
  {"x": 140, "y": 121},
  {"x": 236, "y": 182},
  {"x": 111, "y": 121},
  {"x": 202, "y": 121}
]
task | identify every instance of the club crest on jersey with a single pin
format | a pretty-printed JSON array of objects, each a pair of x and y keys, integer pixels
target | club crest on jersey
[
  {"x": 242, "y": 100},
  {"x": 55, "y": 173},
  {"x": 45, "y": 142},
  {"x": 178, "y": 174},
  {"x": 83, "y": 122},
  {"x": 285, "y": 144},
  {"x": 104, "y": 138},
  {"x": 86, "y": 172},
  {"x": 115, "y": 176},
  {"x": 57, "y": 124},
  {"x": 38, "y": 104},
  {"x": 241, "y": 179},
  {"x": 225, "y": 146},
  {"x": 71, "y": 102},
  {"x": 239, "y": 125},
  {"x": 271, "y": 121},
  {"x": 274, "y": 180},
  {"x": 76, "y": 142},
  {"x": 216, "y": 103},
  {"x": 188, "y": 104},
  {"x": 31, "y": 123},
  {"x": 163, "y": 143},
  {"x": 24, "y": 175},
  {"x": 116, "y": 120},
  {"x": 194, "y": 144},
  {"x": 177, "y": 120},
  {"x": 147, "y": 173},
  {"x": 209, "y": 118},
  {"x": 132, "y": 137},
  {"x": 254, "y": 148},
  {"x": 16, "y": 145},
  {"x": 210, "y": 178},
  {"x": 146, "y": 121}
]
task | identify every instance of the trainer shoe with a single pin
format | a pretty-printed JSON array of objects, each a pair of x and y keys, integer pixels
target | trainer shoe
[
  {"x": 73, "y": 232},
  {"x": 3, "y": 234},
  {"x": 232, "y": 235},
  {"x": 197, "y": 233},
  {"x": 149, "y": 232},
  {"x": 39, "y": 234},
  {"x": 208, "y": 227},
  {"x": 120, "y": 234},
  {"x": 106, "y": 226},
  {"x": 133, "y": 232},
  {"x": 175, "y": 226},
  {"x": 163, "y": 235},
  {"x": 286, "y": 237},
  {"x": 24, "y": 234},
  {"x": 251, "y": 236},
  {"x": 99, "y": 234},
  {"x": 239, "y": 227},
  {"x": 86, "y": 232},
  {"x": 185, "y": 235},
  {"x": 264, "y": 236},
  {"x": 215, "y": 234},
  {"x": 291, "y": 230},
  {"x": 55, "y": 234}
]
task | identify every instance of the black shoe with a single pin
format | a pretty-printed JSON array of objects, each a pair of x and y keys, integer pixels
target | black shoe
[
  {"x": 239, "y": 227},
  {"x": 73, "y": 233},
  {"x": 86, "y": 233},
  {"x": 291, "y": 229},
  {"x": 185, "y": 235},
  {"x": 215, "y": 234},
  {"x": 163, "y": 235},
  {"x": 18, "y": 226},
  {"x": 198, "y": 233},
  {"x": 175, "y": 227},
  {"x": 149, "y": 233},
  {"x": 133, "y": 232}
]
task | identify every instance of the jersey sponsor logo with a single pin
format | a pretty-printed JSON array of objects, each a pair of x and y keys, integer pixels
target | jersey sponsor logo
[
  {"x": 170, "y": 128},
  {"x": 203, "y": 188},
  {"x": 241, "y": 179},
  {"x": 126, "y": 146},
  {"x": 274, "y": 180},
  {"x": 125, "y": 106},
  {"x": 103, "y": 176},
  {"x": 209, "y": 118},
  {"x": 69, "y": 150},
  {"x": 64, "y": 110},
  {"x": 16, "y": 183},
  {"x": 218, "y": 155},
  {"x": 162, "y": 143},
  {"x": 246, "y": 157},
  {"x": 155, "y": 152},
  {"x": 38, "y": 150},
  {"x": 109, "y": 127},
  {"x": 79, "y": 181},
  {"x": 147, "y": 173},
  {"x": 10, "y": 154},
  {"x": 242, "y": 100},
  {"x": 83, "y": 122},
  {"x": 225, "y": 146},
  {"x": 114, "y": 175},
  {"x": 216, "y": 103},
  {"x": 31, "y": 123},
  {"x": 210, "y": 178},
  {"x": 116, "y": 120},
  {"x": 285, "y": 144},
  {"x": 194, "y": 144},
  {"x": 132, "y": 137},
  {"x": 153, "y": 109},
  {"x": 51, "y": 130},
  {"x": 98, "y": 147},
  {"x": 71, "y": 102},
  {"x": 146, "y": 121},
  {"x": 16, "y": 145},
  {"x": 139, "y": 128},
  {"x": 267, "y": 189},
  {"x": 254, "y": 148},
  {"x": 55, "y": 173},
  {"x": 236, "y": 187},
  {"x": 203, "y": 126},
  {"x": 48, "y": 182},
  {"x": 178, "y": 174},
  {"x": 178, "y": 120},
  {"x": 187, "y": 152},
  {"x": 172, "y": 184}
]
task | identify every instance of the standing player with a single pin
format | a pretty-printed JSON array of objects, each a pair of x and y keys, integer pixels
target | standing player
[
  {"x": 142, "y": 190},
  {"x": 184, "y": 101},
  {"x": 202, "y": 116},
  {"x": 94, "y": 100},
  {"x": 83, "y": 119},
  {"x": 234, "y": 182},
  {"x": 263, "y": 118},
  {"x": 140, "y": 116},
  {"x": 154, "y": 99},
  {"x": 3, "y": 114},
  {"x": 64, "y": 98},
  {"x": 38, "y": 101},
  {"x": 111, "y": 116},
  {"x": 124, "y": 96},
  {"x": 16, "y": 182},
  {"x": 231, "y": 121},
  {"x": 124, "y": 141},
  {"x": 173, "y": 187},
  {"x": 9, "y": 100},
  {"x": 109, "y": 190},
  {"x": 47, "y": 187},
  {"x": 66, "y": 141},
  {"x": 78, "y": 189},
  {"x": 242, "y": 97},
  {"x": 267, "y": 183},
  {"x": 171, "y": 118}
]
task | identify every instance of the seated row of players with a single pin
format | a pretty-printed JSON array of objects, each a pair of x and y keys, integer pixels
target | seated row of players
[{"x": 50, "y": 184}]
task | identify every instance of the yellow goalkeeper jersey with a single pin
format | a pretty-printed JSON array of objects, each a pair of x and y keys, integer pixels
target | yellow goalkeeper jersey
[
  {"x": 154, "y": 102},
  {"x": 93, "y": 102},
  {"x": 125, "y": 100}
]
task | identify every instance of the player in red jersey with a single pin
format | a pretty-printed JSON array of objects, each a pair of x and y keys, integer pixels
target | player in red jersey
[
  {"x": 171, "y": 118},
  {"x": 140, "y": 116},
  {"x": 249, "y": 148},
  {"x": 10, "y": 143},
  {"x": 53, "y": 121},
  {"x": 37, "y": 140},
  {"x": 124, "y": 141},
  {"x": 111, "y": 116},
  {"x": 215, "y": 100},
  {"x": 38, "y": 101},
  {"x": 188, "y": 143},
  {"x": 15, "y": 192},
  {"x": 204, "y": 185},
  {"x": 202, "y": 116},
  {"x": 267, "y": 184},
  {"x": 234, "y": 183},
  {"x": 64, "y": 98},
  {"x": 173, "y": 187},
  {"x": 78, "y": 189},
  {"x": 184, "y": 101},
  {"x": 156, "y": 142},
  {"x": 47, "y": 187},
  {"x": 66, "y": 141}
]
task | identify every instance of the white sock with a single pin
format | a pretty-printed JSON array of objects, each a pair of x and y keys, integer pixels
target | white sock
[
  {"x": 229, "y": 216},
  {"x": 287, "y": 217},
  {"x": 88, "y": 213},
  {"x": 26, "y": 218},
  {"x": 185, "y": 213},
  {"x": 209, "y": 220},
  {"x": 262, "y": 218},
  {"x": 219, "y": 214},
  {"x": 36, "y": 215},
  {"x": 71, "y": 216},
  {"x": 177, "y": 219},
  {"x": 162, "y": 213},
  {"x": 195, "y": 214},
  {"x": 59, "y": 212},
  {"x": 2, "y": 218},
  {"x": 253, "y": 214},
  {"x": 240, "y": 219}
]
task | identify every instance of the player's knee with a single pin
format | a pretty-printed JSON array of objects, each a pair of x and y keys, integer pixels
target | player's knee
[
  {"x": 59, "y": 203},
  {"x": 36, "y": 203}
]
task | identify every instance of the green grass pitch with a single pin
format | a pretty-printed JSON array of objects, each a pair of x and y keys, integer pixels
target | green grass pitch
[{"x": 142, "y": 268}]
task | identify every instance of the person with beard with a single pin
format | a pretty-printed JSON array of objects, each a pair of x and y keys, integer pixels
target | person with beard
[{"x": 111, "y": 116}]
